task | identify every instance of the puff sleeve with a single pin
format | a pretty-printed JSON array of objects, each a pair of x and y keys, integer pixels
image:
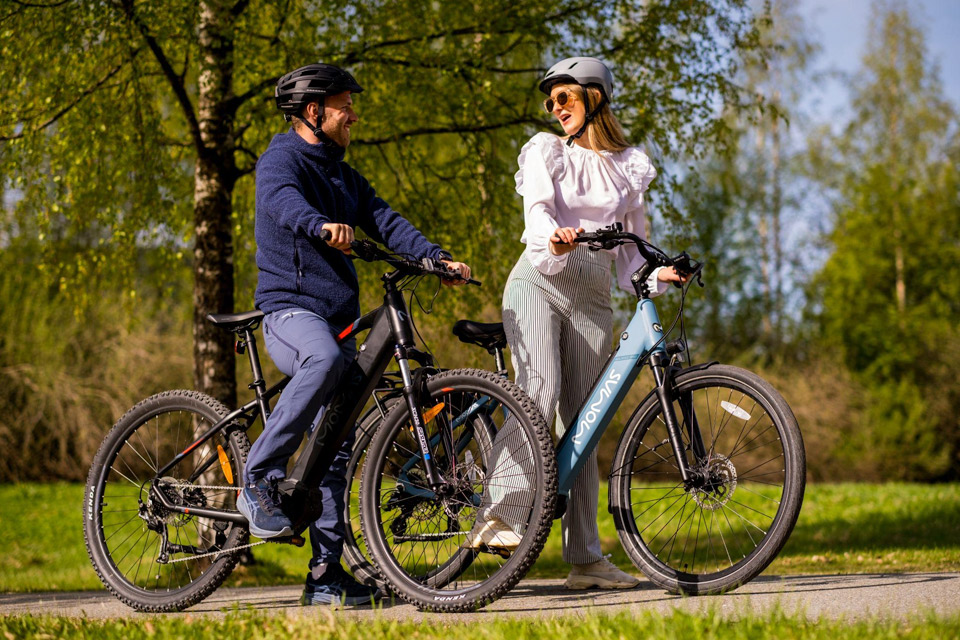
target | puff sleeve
[
  {"x": 541, "y": 166},
  {"x": 639, "y": 172}
]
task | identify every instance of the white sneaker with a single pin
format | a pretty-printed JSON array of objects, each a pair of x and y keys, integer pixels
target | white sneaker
[
  {"x": 601, "y": 574},
  {"x": 492, "y": 532}
]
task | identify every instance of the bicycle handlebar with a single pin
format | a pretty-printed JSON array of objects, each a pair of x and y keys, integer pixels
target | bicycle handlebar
[
  {"x": 369, "y": 251},
  {"x": 614, "y": 236}
]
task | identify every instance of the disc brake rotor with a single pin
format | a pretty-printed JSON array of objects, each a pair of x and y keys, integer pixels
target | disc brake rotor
[{"x": 720, "y": 485}]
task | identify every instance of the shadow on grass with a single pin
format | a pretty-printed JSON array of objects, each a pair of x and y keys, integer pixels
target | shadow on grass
[{"x": 262, "y": 572}]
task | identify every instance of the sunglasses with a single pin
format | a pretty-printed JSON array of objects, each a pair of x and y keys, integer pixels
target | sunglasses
[{"x": 561, "y": 99}]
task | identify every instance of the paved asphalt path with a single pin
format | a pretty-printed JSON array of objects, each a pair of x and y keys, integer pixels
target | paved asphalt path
[{"x": 848, "y": 596}]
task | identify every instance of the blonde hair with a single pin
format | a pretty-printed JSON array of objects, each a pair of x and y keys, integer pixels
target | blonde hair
[{"x": 604, "y": 132}]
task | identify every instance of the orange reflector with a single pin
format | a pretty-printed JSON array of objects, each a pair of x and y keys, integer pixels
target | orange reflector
[
  {"x": 446, "y": 390},
  {"x": 225, "y": 464},
  {"x": 430, "y": 414}
]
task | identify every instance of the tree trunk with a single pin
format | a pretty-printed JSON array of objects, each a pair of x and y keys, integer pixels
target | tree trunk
[
  {"x": 776, "y": 206},
  {"x": 213, "y": 371}
]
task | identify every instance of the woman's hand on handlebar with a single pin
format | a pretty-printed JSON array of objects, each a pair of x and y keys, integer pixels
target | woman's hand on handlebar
[
  {"x": 341, "y": 235},
  {"x": 669, "y": 274},
  {"x": 462, "y": 270},
  {"x": 561, "y": 241}
]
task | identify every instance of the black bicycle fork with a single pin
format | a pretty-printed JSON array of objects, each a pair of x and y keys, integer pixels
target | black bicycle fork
[{"x": 663, "y": 373}]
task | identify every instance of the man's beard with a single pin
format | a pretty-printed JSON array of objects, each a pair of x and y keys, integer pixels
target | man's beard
[{"x": 340, "y": 135}]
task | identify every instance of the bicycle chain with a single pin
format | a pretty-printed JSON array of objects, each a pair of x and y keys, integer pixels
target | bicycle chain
[
  {"x": 216, "y": 553},
  {"x": 183, "y": 485}
]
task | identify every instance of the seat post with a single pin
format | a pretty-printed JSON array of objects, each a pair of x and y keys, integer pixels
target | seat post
[
  {"x": 501, "y": 364},
  {"x": 258, "y": 385}
]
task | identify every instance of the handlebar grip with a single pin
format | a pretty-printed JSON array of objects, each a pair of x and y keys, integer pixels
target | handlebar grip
[{"x": 325, "y": 235}]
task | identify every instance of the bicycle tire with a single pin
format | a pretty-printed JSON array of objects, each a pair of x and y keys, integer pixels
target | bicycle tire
[
  {"x": 148, "y": 436},
  {"x": 713, "y": 539},
  {"x": 436, "y": 584},
  {"x": 354, "y": 547}
]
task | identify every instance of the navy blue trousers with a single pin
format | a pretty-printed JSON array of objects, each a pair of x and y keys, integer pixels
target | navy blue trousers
[{"x": 305, "y": 347}]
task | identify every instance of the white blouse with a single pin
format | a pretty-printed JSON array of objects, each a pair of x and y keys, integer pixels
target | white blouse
[{"x": 569, "y": 186}]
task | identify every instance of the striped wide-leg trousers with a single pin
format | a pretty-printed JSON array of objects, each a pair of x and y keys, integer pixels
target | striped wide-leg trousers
[{"x": 559, "y": 331}]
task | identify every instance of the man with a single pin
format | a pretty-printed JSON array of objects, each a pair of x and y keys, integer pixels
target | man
[{"x": 308, "y": 289}]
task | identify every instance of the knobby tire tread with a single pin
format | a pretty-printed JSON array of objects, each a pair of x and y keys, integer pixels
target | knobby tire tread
[
  {"x": 544, "y": 521},
  {"x": 208, "y": 582}
]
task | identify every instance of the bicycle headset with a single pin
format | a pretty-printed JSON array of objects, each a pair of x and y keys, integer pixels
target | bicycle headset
[{"x": 583, "y": 71}]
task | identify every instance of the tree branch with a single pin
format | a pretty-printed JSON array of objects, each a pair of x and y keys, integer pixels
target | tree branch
[
  {"x": 41, "y": 6},
  {"x": 426, "y": 131},
  {"x": 70, "y": 106},
  {"x": 234, "y": 103},
  {"x": 354, "y": 56},
  {"x": 428, "y": 65},
  {"x": 176, "y": 84},
  {"x": 239, "y": 8}
]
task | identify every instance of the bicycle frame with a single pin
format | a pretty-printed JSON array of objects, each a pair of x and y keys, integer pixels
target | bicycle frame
[
  {"x": 391, "y": 336},
  {"x": 643, "y": 336}
]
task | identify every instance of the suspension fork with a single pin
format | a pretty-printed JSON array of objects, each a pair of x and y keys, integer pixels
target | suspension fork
[
  {"x": 663, "y": 375},
  {"x": 412, "y": 394}
]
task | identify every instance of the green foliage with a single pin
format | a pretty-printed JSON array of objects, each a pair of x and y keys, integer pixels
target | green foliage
[
  {"x": 101, "y": 124},
  {"x": 125, "y": 119},
  {"x": 743, "y": 209},
  {"x": 889, "y": 294}
]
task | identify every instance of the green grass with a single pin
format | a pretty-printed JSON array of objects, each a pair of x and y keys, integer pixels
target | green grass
[
  {"x": 845, "y": 528},
  {"x": 677, "y": 625}
]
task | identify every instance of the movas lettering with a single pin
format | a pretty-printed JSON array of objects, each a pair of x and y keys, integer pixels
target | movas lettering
[{"x": 590, "y": 416}]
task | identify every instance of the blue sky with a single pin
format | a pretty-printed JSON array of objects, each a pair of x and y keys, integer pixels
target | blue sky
[{"x": 840, "y": 26}]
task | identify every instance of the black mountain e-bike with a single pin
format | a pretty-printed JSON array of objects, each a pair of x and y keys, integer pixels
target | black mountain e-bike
[{"x": 160, "y": 519}]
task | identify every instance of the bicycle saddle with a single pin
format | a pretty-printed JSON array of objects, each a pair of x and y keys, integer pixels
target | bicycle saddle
[
  {"x": 488, "y": 335},
  {"x": 236, "y": 321}
]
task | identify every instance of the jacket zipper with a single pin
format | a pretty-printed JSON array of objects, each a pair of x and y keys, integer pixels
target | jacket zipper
[{"x": 296, "y": 264}]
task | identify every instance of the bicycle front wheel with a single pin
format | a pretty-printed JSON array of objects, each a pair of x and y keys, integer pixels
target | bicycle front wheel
[
  {"x": 150, "y": 558},
  {"x": 722, "y": 530},
  {"x": 501, "y": 466}
]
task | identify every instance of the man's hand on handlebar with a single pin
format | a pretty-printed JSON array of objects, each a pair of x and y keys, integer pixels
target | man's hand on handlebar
[
  {"x": 461, "y": 269},
  {"x": 341, "y": 235}
]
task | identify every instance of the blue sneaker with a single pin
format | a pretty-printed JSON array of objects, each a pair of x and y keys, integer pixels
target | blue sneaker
[
  {"x": 260, "y": 504},
  {"x": 330, "y": 584}
]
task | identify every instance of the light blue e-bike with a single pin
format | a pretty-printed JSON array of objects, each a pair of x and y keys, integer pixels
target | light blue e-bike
[{"x": 705, "y": 486}]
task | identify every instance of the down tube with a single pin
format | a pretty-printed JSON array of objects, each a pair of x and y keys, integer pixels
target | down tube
[{"x": 595, "y": 415}]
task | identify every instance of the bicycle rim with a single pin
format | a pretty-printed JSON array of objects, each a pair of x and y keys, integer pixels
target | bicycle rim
[
  {"x": 126, "y": 525},
  {"x": 727, "y": 528},
  {"x": 419, "y": 538}
]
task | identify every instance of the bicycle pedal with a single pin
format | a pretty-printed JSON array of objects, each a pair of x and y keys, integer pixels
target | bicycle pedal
[
  {"x": 296, "y": 541},
  {"x": 503, "y": 553}
]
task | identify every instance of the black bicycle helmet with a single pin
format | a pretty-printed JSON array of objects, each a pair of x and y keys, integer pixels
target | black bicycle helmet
[
  {"x": 582, "y": 71},
  {"x": 309, "y": 83}
]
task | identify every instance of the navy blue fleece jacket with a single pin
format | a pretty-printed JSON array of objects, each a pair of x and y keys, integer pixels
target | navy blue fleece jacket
[{"x": 301, "y": 187}]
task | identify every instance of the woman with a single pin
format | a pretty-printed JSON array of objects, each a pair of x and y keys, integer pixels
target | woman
[{"x": 556, "y": 305}]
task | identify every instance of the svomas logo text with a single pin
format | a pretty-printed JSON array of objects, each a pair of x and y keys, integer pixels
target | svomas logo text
[{"x": 590, "y": 417}]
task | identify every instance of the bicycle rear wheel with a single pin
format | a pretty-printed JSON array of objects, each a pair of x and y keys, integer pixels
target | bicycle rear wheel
[
  {"x": 725, "y": 529},
  {"x": 503, "y": 462},
  {"x": 355, "y": 552},
  {"x": 151, "y": 559}
]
